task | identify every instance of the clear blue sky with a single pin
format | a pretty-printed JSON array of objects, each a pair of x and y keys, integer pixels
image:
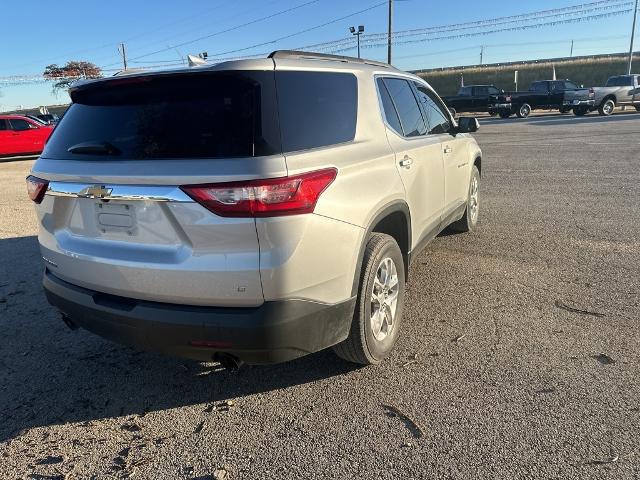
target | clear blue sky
[{"x": 42, "y": 32}]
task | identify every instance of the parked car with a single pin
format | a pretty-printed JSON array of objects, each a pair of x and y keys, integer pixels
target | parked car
[
  {"x": 36, "y": 119},
  {"x": 542, "y": 95},
  {"x": 279, "y": 217},
  {"x": 49, "y": 118},
  {"x": 20, "y": 135},
  {"x": 474, "y": 98},
  {"x": 621, "y": 90}
]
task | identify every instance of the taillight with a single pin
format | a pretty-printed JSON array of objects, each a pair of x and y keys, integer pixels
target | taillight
[
  {"x": 592, "y": 92},
  {"x": 507, "y": 98},
  {"x": 36, "y": 188},
  {"x": 263, "y": 198}
]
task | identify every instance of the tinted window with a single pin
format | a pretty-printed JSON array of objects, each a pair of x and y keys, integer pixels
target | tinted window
[
  {"x": 389, "y": 110},
  {"x": 19, "y": 124},
  {"x": 3, "y": 125},
  {"x": 493, "y": 91},
  {"x": 482, "y": 91},
  {"x": 198, "y": 115},
  {"x": 538, "y": 87},
  {"x": 556, "y": 86},
  {"x": 620, "y": 82},
  {"x": 570, "y": 86},
  {"x": 465, "y": 91},
  {"x": 316, "y": 108},
  {"x": 436, "y": 118},
  {"x": 407, "y": 107}
]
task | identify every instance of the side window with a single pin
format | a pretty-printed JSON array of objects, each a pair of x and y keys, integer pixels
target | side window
[
  {"x": 494, "y": 91},
  {"x": 570, "y": 86},
  {"x": 3, "y": 124},
  {"x": 556, "y": 86},
  {"x": 481, "y": 91},
  {"x": 437, "y": 119},
  {"x": 465, "y": 91},
  {"x": 407, "y": 107},
  {"x": 538, "y": 87},
  {"x": 316, "y": 109},
  {"x": 389, "y": 110},
  {"x": 19, "y": 125}
]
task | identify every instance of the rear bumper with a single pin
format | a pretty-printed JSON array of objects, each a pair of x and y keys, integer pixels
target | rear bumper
[
  {"x": 500, "y": 106},
  {"x": 579, "y": 103},
  {"x": 276, "y": 331}
]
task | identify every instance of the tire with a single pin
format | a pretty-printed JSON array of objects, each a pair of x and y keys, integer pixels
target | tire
[
  {"x": 580, "y": 111},
  {"x": 493, "y": 113},
  {"x": 363, "y": 346},
  {"x": 637, "y": 108},
  {"x": 607, "y": 107},
  {"x": 565, "y": 110},
  {"x": 524, "y": 111},
  {"x": 469, "y": 220},
  {"x": 504, "y": 114}
]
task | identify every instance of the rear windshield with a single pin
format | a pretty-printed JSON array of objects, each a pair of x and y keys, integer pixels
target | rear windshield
[
  {"x": 207, "y": 115},
  {"x": 200, "y": 115},
  {"x": 620, "y": 82}
]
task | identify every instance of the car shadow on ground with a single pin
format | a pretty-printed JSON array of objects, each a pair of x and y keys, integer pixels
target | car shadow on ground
[
  {"x": 52, "y": 375},
  {"x": 558, "y": 119}
]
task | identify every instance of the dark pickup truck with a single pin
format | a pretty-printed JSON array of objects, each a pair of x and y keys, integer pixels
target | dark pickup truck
[
  {"x": 542, "y": 95},
  {"x": 474, "y": 98}
]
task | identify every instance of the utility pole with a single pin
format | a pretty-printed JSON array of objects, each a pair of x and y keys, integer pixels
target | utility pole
[
  {"x": 124, "y": 55},
  {"x": 633, "y": 31},
  {"x": 571, "y": 54},
  {"x": 481, "y": 53},
  {"x": 389, "y": 32}
]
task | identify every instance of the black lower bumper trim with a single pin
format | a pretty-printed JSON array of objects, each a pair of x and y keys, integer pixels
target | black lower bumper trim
[{"x": 274, "y": 332}]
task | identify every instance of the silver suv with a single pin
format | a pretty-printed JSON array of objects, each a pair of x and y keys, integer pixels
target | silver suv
[{"x": 255, "y": 210}]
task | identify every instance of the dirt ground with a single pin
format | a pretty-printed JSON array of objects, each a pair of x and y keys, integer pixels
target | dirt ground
[{"x": 518, "y": 359}]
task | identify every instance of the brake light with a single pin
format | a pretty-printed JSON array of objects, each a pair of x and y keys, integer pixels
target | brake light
[
  {"x": 507, "y": 98},
  {"x": 263, "y": 198},
  {"x": 592, "y": 92},
  {"x": 36, "y": 188}
]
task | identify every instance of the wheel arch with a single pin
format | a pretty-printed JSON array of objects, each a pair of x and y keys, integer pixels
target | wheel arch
[
  {"x": 478, "y": 163},
  {"x": 394, "y": 220}
]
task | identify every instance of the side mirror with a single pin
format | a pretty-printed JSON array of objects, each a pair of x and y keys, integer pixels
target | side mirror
[
  {"x": 468, "y": 125},
  {"x": 502, "y": 90}
]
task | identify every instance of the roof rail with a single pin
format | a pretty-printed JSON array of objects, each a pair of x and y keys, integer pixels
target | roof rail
[{"x": 325, "y": 56}]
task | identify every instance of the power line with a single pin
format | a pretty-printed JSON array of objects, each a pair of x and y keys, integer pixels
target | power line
[
  {"x": 581, "y": 9},
  {"x": 220, "y": 32},
  {"x": 300, "y": 32},
  {"x": 586, "y": 18}
]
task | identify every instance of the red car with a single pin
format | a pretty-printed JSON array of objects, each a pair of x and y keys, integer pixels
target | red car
[{"x": 22, "y": 136}]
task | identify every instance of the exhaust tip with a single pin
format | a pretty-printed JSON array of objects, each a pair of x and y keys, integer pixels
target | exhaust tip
[
  {"x": 228, "y": 361},
  {"x": 68, "y": 322}
]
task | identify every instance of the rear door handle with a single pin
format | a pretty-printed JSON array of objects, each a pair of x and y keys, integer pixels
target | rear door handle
[
  {"x": 447, "y": 149},
  {"x": 406, "y": 161}
]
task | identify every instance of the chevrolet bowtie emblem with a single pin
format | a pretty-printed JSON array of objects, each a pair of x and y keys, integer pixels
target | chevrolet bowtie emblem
[{"x": 95, "y": 191}]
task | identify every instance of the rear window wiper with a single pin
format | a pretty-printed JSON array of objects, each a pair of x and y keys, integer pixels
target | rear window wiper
[{"x": 94, "y": 148}]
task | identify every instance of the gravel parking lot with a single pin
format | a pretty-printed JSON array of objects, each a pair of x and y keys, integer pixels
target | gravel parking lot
[{"x": 519, "y": 356}]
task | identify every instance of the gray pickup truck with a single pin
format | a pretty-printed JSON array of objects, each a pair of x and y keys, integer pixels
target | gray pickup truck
[{"x": 622, "y": 90}]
